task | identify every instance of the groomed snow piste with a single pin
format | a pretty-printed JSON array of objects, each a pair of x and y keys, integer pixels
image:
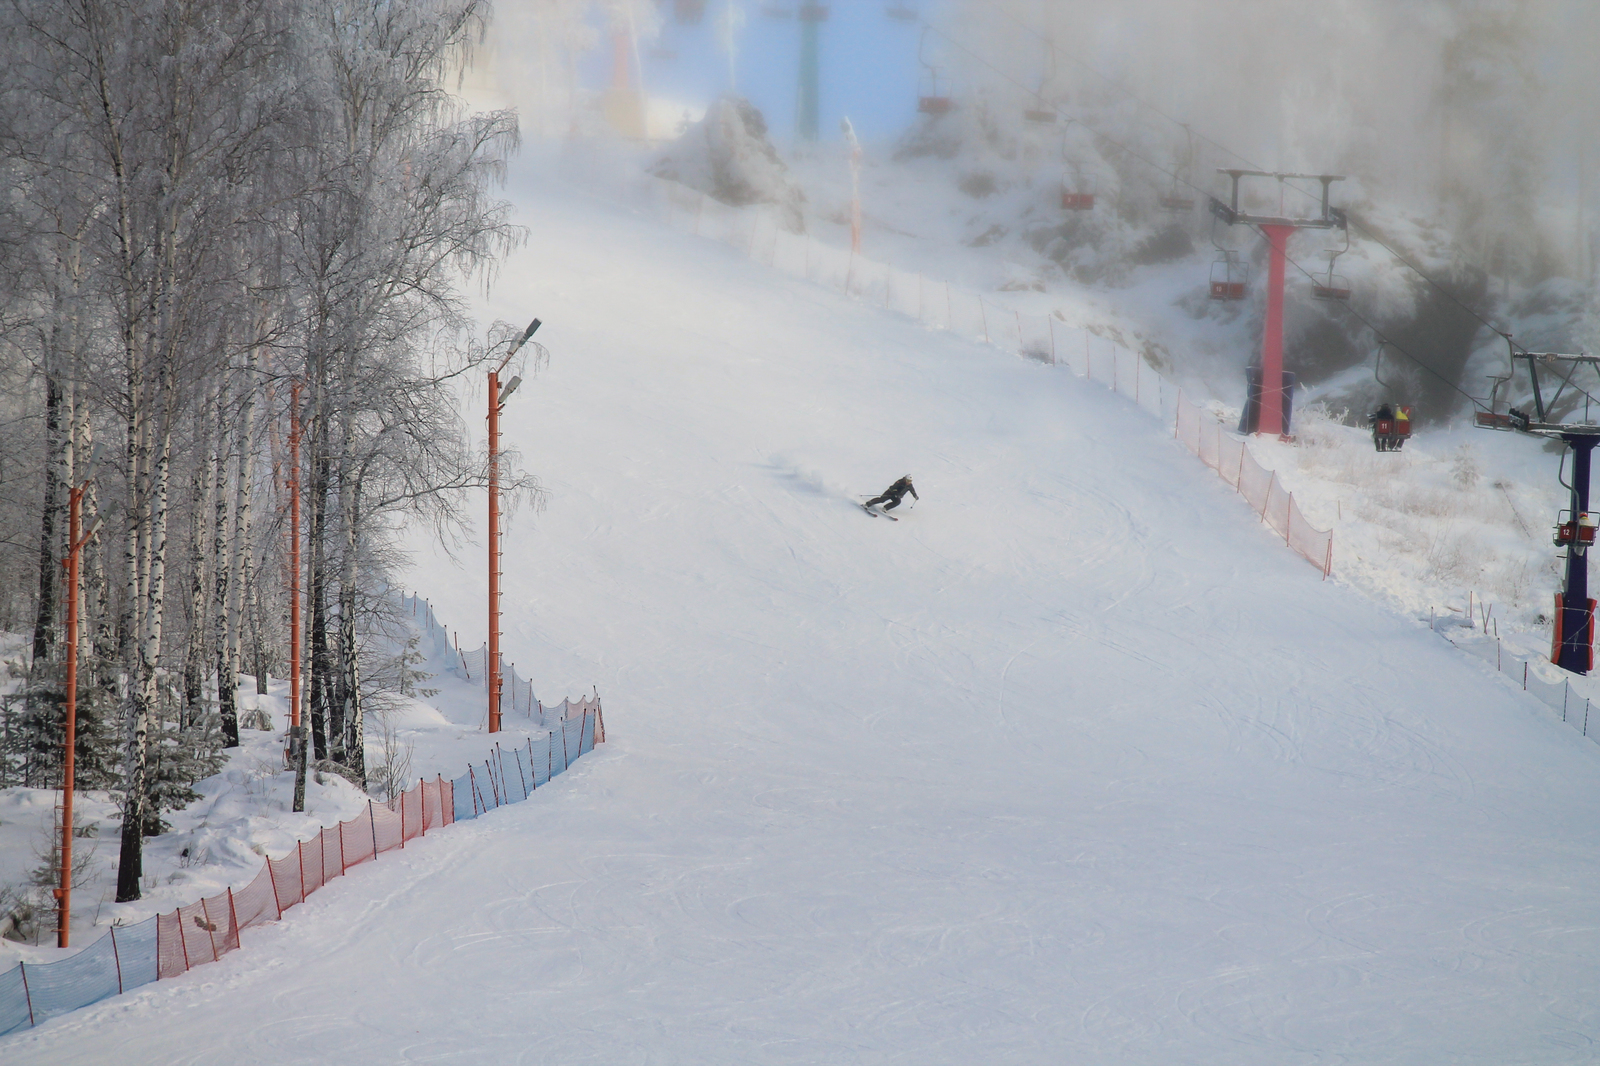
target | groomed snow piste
[{"x": 1075, "y": 763}]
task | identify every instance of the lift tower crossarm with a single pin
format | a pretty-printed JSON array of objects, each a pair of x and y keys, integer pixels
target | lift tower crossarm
[
  {"x": 1331, "y": 217},
  {"x": 1539, "y": 424}
]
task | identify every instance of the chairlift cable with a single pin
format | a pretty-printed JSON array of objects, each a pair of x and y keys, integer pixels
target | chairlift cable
[
  {"x": 1157, "y": 167},
  {"x": 1364, "y": 231}
]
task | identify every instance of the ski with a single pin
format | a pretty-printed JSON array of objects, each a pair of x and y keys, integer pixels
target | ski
[{"x": 879, "y": 514}]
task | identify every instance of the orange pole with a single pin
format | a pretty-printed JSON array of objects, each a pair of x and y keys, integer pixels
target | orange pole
[
  {"x": 294, "y": 561},
  {"x": 492, "y": 668},
  {"x": 69, "y": 756}
]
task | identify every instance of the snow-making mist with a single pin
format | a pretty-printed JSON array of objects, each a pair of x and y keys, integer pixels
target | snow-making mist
[{"x": 1073, "y": 763}]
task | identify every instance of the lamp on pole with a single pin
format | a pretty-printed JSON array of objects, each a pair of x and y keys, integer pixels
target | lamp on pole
[
  {"x": 497, "y": 398},
  {"x": 76, "y": 539}
]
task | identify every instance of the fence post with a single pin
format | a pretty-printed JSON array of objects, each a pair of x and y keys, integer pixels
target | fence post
[
  {"x": 233, "y": 916},
  {"x": 983, "y": 314},
  {"x": 183, "y": 940},
  {"x": 372, "y": 823},
  {"x": 1050, "y": 324},
  {"x": 277, "y": 903},
  {"x": 1272, "y": 479},
  {"x": 530, "y": 765},
  {"x": 27, "y": 995},
  {"x": 116, "y": 957}
]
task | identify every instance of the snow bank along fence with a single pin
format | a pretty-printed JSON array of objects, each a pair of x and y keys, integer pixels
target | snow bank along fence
[
  {"x": 1576, "y": 710},
  {"x": 473, "y": 666},
  {"x": 1046, "y": 338},
  {"x": 169, "y": 945}
]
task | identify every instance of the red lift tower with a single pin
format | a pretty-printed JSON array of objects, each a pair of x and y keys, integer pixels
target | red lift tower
[{"x": 1271, "y": 406}]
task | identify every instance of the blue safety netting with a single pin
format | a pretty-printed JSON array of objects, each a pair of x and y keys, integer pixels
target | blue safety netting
[
  {"x": 465, "y": 805},
  {"x": 136, "y": 948},
  {"x": 128, "y": 956},
  {"x": 13, "y": 1001},
  {"x": 87, "y": 977}
]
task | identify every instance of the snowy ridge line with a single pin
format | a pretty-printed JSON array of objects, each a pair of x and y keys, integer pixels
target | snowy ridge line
[
  {"x": 169, "y": 945},
  {"x": 940, "y": 305}
]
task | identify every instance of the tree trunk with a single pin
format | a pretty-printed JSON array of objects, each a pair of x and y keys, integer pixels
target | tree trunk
[
  {"x": 225, "y": 554},
  {"x": 317, "y": 585},
  {"x": 354, "y": 731},
  {"x": 44, "y": 620},
  {"x": 194, "y": 657}
]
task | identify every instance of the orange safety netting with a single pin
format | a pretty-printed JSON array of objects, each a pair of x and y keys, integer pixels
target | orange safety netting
[{"x": 1259, "y": 486}]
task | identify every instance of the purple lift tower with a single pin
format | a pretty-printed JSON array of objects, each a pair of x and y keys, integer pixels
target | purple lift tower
[{"x": 1572, "y": 639}]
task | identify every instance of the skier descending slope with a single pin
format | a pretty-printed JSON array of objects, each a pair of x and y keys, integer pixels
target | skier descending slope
[{"x": 892, "y": 496}]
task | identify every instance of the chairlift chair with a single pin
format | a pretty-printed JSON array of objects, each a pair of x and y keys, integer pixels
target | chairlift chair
[
  {"x": 1079, "y": 198},
  {"x": 930, "y": 102},
  {"x": 688, "y": 12},
  {"x": 1039, "y": 116},
  {"x": 1230, "y": 276},
  {"x": 1333, "y": 286},
  {"x": 1077, "y": 191},
  {"x": 1391, "y": 427},
  {"x": 1391, "y": 422},
  {"x": 1175, "y": 200}
]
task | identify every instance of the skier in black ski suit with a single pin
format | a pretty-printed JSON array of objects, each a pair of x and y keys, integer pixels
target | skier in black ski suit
[{"x": 895, "y": 493}]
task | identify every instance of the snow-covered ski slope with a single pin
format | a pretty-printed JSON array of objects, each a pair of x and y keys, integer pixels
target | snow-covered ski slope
[{"x": 1075, "y": 763}]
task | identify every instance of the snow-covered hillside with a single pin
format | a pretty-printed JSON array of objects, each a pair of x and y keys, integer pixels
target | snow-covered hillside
[{"x": 1073, "y": 763}]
